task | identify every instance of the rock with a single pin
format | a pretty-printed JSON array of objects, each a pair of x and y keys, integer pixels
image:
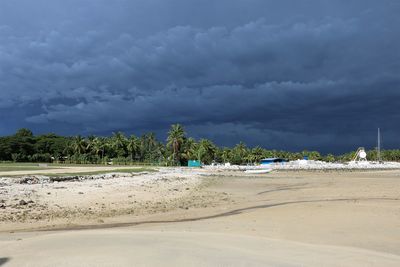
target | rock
[
  {"x": 2, "y": 206},
  {"x": 29, "y": 180},
  {"x": 60, "y": 187},
  {"x": 23, "y": 202}
]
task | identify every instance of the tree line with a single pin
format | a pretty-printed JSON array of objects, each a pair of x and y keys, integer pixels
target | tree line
[{"x": 178, "y": 149}]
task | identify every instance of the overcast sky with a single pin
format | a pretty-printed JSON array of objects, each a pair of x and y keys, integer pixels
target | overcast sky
[{"x": 287, "y": 74}]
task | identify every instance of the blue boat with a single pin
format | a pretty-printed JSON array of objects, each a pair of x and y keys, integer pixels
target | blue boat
[{"x": 272, "y": 160}]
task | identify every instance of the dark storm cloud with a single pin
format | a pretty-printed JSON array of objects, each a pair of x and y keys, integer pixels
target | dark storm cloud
[{"x": 293, "y": 75}]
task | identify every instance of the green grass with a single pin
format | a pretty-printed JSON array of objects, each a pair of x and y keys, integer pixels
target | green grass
[
  {"x": 8, "y": 167},
  {"x": 135, "y": 170},
  {"x": 21, "y": 166}
]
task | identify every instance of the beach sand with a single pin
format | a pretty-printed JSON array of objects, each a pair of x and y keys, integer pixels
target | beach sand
[{"x": 183, "y": 217}]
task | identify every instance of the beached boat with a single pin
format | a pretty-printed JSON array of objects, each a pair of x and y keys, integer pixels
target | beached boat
[{"x": 258, "y": 171}]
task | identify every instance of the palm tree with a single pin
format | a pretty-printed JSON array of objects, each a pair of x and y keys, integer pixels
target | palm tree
[
  {"x": 96, "y": 147},
  {"x": 151, "y": 140},
  {"x": 206, "y": 151},
  {"x": 239, "y": 153},
  {"x": 256, "y": 154},
  {"x": 79, "y": 145},
  {"x": 189, "y": 149},
  {"x": 119, "y": 144},
  {"x": 133, "y": 146},
  {"x": 90, "y": 144},
  {"x": 176, "y": 137},
  {"x": 226, "y": 154},
  {"x": 149, "y": 147}
]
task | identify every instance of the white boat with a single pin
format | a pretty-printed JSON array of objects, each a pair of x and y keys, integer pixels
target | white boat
[{"x": 258, "y": 171}]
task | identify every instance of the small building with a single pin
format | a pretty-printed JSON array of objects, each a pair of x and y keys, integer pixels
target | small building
[
  {"x": 194, "y": 163},
  {"x": 272, "y": 160}
]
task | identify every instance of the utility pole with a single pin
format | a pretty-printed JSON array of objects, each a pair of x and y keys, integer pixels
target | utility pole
[{"x": 379, "y": 146}]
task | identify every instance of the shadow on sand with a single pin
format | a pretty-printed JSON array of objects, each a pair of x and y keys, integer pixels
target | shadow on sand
[
  {"x": 285, "y": 188},
  {"x": 4, "y": 261},
  {"x": 225, "y": 214}
]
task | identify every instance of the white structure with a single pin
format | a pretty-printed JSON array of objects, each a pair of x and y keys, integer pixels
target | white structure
[
  {"x": 361, "y": 156},
  {"x": 379, "y": 157}
]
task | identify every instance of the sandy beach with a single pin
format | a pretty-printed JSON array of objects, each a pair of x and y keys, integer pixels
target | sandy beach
[
  {"x": 200, "y": 217},
  {"x": 229, "y": 133}
]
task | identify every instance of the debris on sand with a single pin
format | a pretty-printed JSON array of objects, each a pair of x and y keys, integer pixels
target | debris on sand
[
  {"x": 309, "y": 165},
  {"x": 23, "y": 202},
  {"x": 68, "y": 198},
  {"x": 41, "y": 179}
]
